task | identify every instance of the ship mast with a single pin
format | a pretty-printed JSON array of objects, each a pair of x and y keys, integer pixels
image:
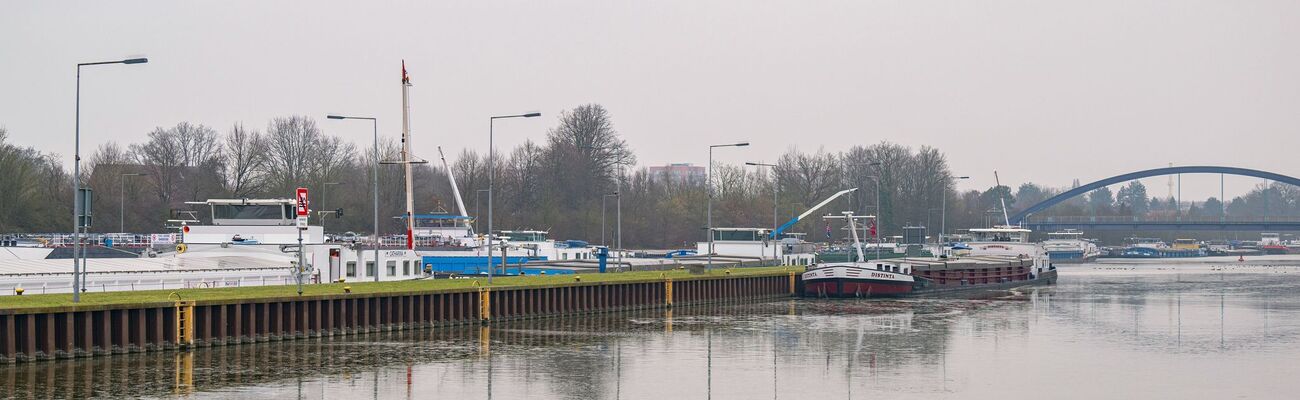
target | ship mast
[{"x": 406, "y": 159}]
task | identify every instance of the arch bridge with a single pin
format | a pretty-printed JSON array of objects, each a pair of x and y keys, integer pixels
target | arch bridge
[{"x": 1169, "y": 223}]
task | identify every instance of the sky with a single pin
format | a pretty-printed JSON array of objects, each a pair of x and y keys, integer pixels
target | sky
[{"x": 1040, "y": 91}]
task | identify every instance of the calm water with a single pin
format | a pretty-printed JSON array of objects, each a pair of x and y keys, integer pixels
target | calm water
[{"x": 1154, "y": 330}]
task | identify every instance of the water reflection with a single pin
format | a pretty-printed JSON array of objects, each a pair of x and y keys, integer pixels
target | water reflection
[{"x": 1099, "y": 333}]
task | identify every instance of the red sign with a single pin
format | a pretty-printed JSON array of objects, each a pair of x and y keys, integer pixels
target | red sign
[{"x": 302, "y": 202}]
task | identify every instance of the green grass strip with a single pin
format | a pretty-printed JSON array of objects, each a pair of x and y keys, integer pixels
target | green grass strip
[{"x": 89, "y": 299}]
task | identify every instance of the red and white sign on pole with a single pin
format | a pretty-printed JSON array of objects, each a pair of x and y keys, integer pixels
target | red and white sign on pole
[{"x": 302, "y": 207}]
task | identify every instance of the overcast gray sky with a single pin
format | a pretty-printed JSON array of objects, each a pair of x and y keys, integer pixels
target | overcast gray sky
[{"x": 1043, "y": 91}]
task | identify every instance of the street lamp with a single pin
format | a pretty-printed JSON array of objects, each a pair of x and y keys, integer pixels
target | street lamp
[
  {"x": 121, "y": 208},
  {"x": 375, "y": 180},
  {"x": 943, "y": 213},
  {"x": 774, "y": 222},
  {"x": 492, "y": 171},
  {"x": 618, "y": 204},
  {"x": 76, "y": 179},
  {"x": 709, "y": 187}
]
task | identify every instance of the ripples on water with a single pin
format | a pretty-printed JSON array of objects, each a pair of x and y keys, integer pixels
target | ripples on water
[{"x": 1112, "y": 330}]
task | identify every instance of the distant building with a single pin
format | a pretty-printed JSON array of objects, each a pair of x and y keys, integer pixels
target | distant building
[{"x": 678, "y": 172}]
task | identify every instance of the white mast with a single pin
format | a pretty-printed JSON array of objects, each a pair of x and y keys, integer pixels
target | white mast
[
  {"x": 1003, "y": 199},
  {"x": 406, "y": 159},
  {"x": 460, "y": 204}
]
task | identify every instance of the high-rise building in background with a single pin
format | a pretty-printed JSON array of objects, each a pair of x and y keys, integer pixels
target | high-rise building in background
[{"x": 678, "y": 172}]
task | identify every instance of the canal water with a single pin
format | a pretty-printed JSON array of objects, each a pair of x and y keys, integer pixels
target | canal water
[{"x": 1201, "y": 329}]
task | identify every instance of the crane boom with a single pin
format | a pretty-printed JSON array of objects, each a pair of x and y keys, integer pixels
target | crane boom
[
  {"x": 460, "y": 204},
  {"x": 794, "y": 220}
]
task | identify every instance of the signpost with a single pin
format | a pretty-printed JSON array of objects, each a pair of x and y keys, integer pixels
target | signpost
[{"x": 302, "y": 226}]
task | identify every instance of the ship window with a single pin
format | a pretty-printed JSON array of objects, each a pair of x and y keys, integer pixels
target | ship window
[
  {"x": 352, "y": 269},
  {"x": 370, "y": 269},
  {"x": 249, "y": 211},
  {"x": 392, "y": 267},
  {"x": 406, "y": 267},
  {"x": 744, "y": 236}
]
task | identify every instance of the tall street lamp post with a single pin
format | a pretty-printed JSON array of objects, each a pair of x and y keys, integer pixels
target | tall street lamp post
[
  {"x": 774, "y": 222},
  {"x": 374, "y": 172},
  {"x": 121, "y": 208},
  {"x": 76, "y": 179},
  {"x": 709, "y": 184},
  {"x": 492, "y": 171},
  {"x": 943, "y": 213}
]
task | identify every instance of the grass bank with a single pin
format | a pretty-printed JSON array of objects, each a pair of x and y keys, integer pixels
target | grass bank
[{"x": 268, "y": 292}]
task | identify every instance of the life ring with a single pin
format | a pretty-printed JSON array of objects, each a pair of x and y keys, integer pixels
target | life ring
[{"x": 180, "y": 248}]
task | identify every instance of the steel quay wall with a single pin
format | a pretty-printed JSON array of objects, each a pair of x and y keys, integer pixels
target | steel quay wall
[{"x": 66, "y": 332}]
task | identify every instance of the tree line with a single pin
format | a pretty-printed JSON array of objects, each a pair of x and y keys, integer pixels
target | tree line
[{"x": 559, "y": 183}]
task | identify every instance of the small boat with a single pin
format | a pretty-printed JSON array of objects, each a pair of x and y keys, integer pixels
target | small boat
[
  {"x": 1069, "y": 247},
  {"x": 1156, "y": 248}
]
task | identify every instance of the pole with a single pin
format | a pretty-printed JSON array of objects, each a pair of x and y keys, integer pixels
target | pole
[
  {"x": 618, "y": 214},
  {"x": 602, "y": 220},
  {"x": 879, "y": 226},
  {"x": 709, "y": 183},
  {"x": 375, "y": 201},
  {"x": 774, "y": 224},
  {"x": 121, "y": 207},
  {"x": 297, "y": 273},
  {"x": 76, "y": 192},
  {"x": 943, "y": 216},
  {"x": 492, "y": 171},
  {"x": 618, "y": 206}
]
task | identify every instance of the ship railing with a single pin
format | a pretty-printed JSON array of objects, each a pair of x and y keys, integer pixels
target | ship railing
[{"x": 125, "y": 284}]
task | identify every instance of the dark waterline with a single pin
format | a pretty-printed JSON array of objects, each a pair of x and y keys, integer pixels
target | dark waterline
[{"x": 1192, "y": 330}]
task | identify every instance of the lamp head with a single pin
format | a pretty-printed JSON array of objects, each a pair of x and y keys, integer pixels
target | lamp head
[
  {"x": 334, "y": 116},
  {"x": 140, "y": 60}
]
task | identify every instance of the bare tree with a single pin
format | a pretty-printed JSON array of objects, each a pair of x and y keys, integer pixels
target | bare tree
[
  {"x": 183, "y": 163},
  {"x": 809, "y": 177},
  {"x": 299, "y": 155},
  {"x": 245, "y": 161}
]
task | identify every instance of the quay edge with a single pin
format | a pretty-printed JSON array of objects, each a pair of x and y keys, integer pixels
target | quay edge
[{"x": 44, "y": 333}]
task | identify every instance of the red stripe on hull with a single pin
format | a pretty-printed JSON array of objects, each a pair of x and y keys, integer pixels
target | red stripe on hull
[{"x": 848, "y": 287}]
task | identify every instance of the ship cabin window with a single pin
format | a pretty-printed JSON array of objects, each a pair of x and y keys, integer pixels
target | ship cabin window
[
  {"x": 370, "y": 269},
  {"x": 352, "y": 269},
  {"x": 564, "y": 256},
  {"x": 737, "y": 235},
  {"x": 406, "y": 267},
  {"x": 880, "y": 267},
  {"x": 392, "y": 267},
  {"x": 253, "y": 211},
  {"x": 525, "y": 236}
]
